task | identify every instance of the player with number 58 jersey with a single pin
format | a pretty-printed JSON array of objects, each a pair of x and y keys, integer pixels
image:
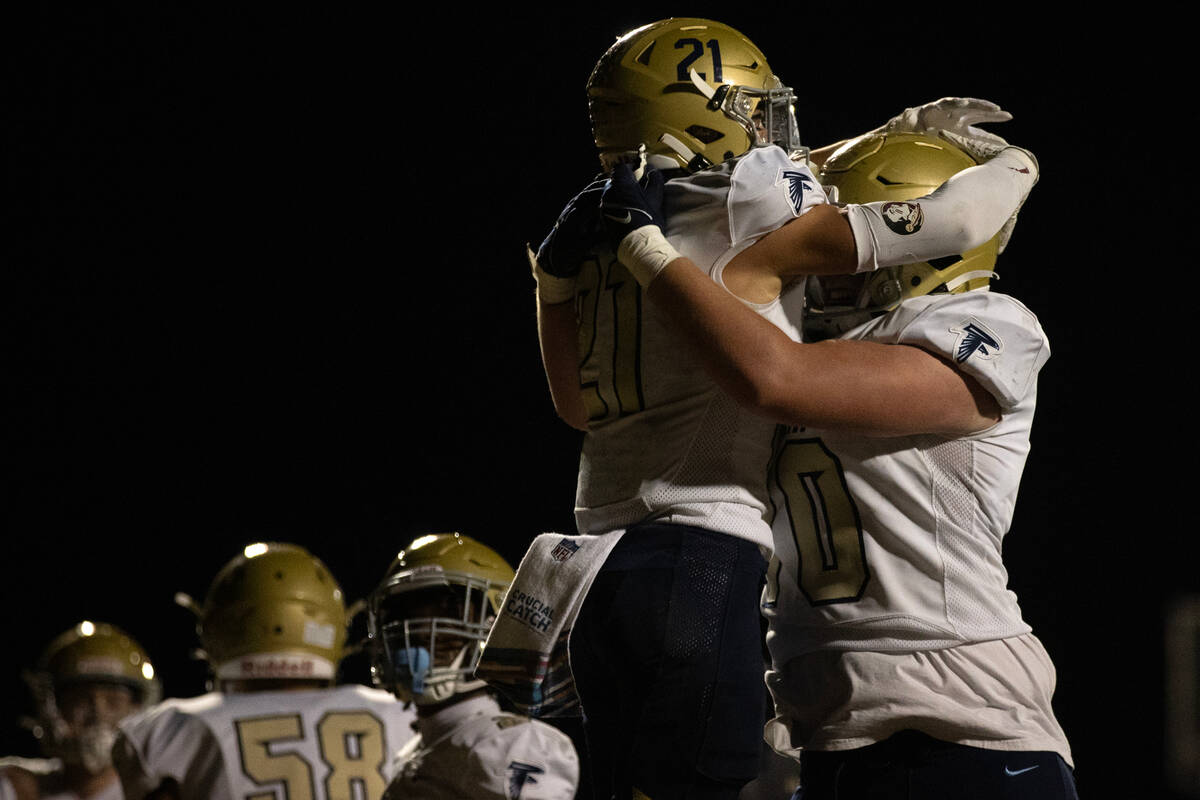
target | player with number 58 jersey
[
  {"x": 317, "y": 744},
  {"x": 273, "y": 627}
]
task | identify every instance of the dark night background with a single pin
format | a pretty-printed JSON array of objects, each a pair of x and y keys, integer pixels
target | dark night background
[{"x": 263, "y": 278}]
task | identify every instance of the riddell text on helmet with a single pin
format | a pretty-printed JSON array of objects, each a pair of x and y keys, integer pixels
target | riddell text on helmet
[{"x": 282, "y": 668}]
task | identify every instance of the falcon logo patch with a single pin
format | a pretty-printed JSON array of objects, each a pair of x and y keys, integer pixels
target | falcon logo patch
[
  {"x": 797, "y": 183},
  {"x": 564, "y": 550},
  {"x": 520, "y": 774},
  {"x": 903, "y": 218},
  {"x": 975, "y": 339}
]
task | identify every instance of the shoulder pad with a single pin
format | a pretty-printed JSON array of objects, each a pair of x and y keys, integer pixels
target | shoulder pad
[
  {"x": 767, "y": 190},
  {"x": 992, "y": 337}
]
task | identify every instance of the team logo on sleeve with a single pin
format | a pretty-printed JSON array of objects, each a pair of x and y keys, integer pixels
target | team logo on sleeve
[
  {"x": 520, "y": 774},
  {"x": 797, "y": 183},
  {"x": 974, "y": 339},
  {"x": 903, "y": 218}
]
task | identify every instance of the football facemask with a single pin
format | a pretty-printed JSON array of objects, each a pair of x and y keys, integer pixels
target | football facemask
[
  {"x": 431, "y": 638},
  {"x": 430, "y": 616}
]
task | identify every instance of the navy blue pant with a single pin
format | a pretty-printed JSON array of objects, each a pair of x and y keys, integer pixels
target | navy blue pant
[
  {"x": 668, "y": 662},
  {"x": 912, "y": 766}
]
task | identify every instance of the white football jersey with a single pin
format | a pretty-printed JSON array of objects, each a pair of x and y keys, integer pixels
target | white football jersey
[
  {"x": 324, "y": 744},
  {"x": 474, "y": 749},
  {"x": 887, "y": 598},
  {"x": 893, "y": 544},
  {"x": 664, "y": 442}
]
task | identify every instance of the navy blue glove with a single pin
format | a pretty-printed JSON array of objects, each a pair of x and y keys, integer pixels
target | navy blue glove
[
  {"x": 628, "y": 204},
  {"x": 575, "y": 234}
]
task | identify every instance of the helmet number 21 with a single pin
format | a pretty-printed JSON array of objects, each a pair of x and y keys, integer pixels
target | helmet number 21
[{"x": 681, "y": 70}]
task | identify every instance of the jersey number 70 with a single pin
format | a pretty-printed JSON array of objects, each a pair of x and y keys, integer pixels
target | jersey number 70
[{"x": 825, "y": 524}]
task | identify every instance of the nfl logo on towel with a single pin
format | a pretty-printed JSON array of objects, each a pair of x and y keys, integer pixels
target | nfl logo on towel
[{"x": 563, "y": 550}]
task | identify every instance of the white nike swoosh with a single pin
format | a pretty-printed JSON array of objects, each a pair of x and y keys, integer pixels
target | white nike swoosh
[
  {"x": 1008, "y": 771},
  {"x": 623, "y": 220}
]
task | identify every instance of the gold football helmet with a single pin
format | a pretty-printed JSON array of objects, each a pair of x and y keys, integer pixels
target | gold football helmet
[
  {"x": 430, "y": 616},
  {"x": 275, "y": 612},
  {"x": 694, "y": 92},
  {"x": 894, "y": 168},
  {"x": 76, "y": 687}
]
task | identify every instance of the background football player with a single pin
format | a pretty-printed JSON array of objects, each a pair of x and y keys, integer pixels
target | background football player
[
  {"x": 88, "y": 679},
  {"x": 428, "y": 620},
  {"x": 669, "y": 458},
  {"x": 273, "y": 628},
  {"x": 901, "y": 664}
]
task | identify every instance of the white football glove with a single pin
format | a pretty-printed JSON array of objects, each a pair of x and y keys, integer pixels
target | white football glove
[{"x": 954, "y": 118}]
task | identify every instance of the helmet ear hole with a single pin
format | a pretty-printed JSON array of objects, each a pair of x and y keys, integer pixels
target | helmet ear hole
[{"x": 704, "y": 134}]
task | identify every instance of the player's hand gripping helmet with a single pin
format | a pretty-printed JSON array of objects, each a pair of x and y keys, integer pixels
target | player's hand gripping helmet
[
  {"x": 88, "y": 679},
  {"x": 273, "y": 612},
  {"x": 894, "y": 168},
  {"x": 694, "y": 92},
  {"x": 430, "y": 615}
]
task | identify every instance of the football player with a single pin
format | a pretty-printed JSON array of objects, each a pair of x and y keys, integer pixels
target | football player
[
  {"x": 428, "y": 620},
  {"x": 901, "y": 665},
  {"x": 89, "y": 678},
  {"x": 273, "y": 628},
  {"x": 669, "y": 458}
]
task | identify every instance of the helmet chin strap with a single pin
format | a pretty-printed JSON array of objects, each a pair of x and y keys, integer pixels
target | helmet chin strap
[
  {"x": 966, "y": 277},
  {"x": 695, "y": 161}
]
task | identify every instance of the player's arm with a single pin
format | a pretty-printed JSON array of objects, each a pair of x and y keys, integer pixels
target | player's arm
[
  {"x": 555, "y": 270},
  {"x": 958, "y": 115},
  {"x": 558, "y": 332},
  {"x": 866, "y": 387},
  {"x": 961, "y": 214}
]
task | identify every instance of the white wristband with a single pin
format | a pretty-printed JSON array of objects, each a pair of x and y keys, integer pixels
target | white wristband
[
  {"x": 550, "y": 288},
  {"x": 646, "y": 252}
]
